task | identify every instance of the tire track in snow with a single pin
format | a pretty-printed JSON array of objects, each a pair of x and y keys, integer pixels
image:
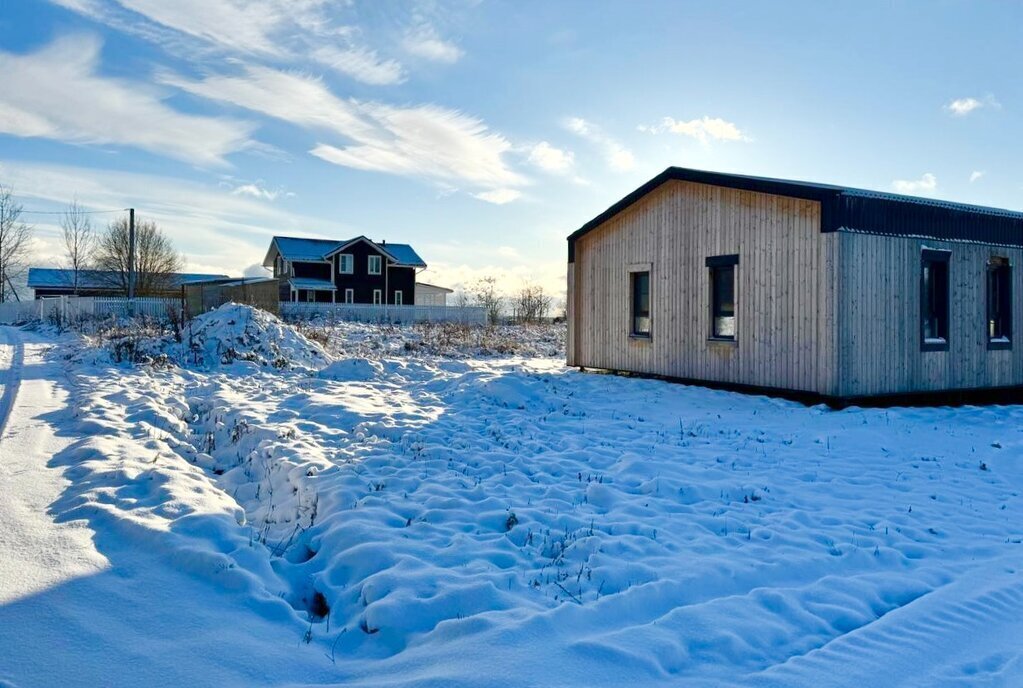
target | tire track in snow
[
  {"x": 950, "y": 628},
  {"x": 11, "y": 377}
]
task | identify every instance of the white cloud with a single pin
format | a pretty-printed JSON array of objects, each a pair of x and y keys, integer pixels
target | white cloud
[
  {"x": 499, "y": 196},
  {"x": 361, "y": 64},
  {"x": 926, "y": 185},
  {"x": 703, "y": 129},
  {"x": 290, "y": 31},
  {"x": 976, "y": 174},
  {"x": 424, "y": 141},
  {"x": 57, "y": 93},
  {"x": 551, "y": 159},
  {"x": 423, "y": 42},
  {"x": 255, "y": 190},
  {"x": 960, "y": 107},
  {"x": 618, "y": 157}
]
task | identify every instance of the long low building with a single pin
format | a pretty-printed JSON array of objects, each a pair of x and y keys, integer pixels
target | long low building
[
  {"x": 795, "y": 287},
  {"x": 46, "y": 282}
]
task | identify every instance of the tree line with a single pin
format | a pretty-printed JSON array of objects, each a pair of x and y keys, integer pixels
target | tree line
[
  {"x": 89, "y": 255},
  {"x": 530, "y": 304}
]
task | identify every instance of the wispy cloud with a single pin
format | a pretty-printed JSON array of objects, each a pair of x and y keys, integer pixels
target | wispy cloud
[
  {"x": 960, "y": 107},
  {"x": 425, "y": 141},
  {"x": 618, "y": 157},
  {"x": 499, "y": 196},
  {"x": 423, "y": 41},
  {"x": 279, "y": 31},
  {"x": 257, "y": 190},
  {"x": 924, "y": 186},
  {"x": 976, "y": 174},
  {"x": 702, "y": 129},
  {"x": 551, "y": 159},
  {"x": 57, "y": 93},
  {"x": 362, "y": 64}
]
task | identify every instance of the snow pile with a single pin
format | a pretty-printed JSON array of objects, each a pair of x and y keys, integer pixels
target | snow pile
[{"x": 236, "y": 332}]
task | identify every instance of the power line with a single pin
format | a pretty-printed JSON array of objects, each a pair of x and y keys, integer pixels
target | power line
[{"x": 62, "y": 212}]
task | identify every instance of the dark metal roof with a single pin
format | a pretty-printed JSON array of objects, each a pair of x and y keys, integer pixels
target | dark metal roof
[
  {"x": 56, "y": 278},
  {"x": 843, "y": 208}
]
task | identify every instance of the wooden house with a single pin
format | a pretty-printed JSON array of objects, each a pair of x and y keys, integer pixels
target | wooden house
[
  {"x": 357, "y": 271},
  {"x": 803, "y": 289}
]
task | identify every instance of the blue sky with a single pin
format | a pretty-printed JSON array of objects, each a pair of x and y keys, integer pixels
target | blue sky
[{"x": 483, "y": 132}]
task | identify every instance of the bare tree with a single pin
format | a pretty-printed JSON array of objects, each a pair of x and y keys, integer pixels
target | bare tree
[
  {"x": 79, "y": 242},
  {"x": 155, "y": 257},
  {"x": 531, "y": 304},
  {"x": 14, "y": 243},
  {"x": 484, "y": 294}
]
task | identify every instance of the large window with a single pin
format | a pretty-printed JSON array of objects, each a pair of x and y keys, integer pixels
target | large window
[
  {"x": 640, "y": 304},
  {"x": 374, "y": 265},
  {"x": 999, "y": 304},
  {"x": 722, "y": 296},
  {"x": 934, "y": 300},
  {"x": 377, "y": 297},
  {"x": 346, "y": 263},
  {"x": 349, "y": 296}
]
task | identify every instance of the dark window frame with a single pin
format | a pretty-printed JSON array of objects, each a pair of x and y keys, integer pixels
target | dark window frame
[
  {"x": 935, "y": 257},
  {"x": 1003, "y": 267},
  {"x": 635, "y": 333},
  {"x": 715, "y": 264}
]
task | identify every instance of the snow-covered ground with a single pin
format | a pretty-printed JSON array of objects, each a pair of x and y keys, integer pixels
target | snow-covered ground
[{"x": 406, "y": 506}]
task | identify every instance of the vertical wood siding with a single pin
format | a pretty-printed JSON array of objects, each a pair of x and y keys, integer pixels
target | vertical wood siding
[
  {"x": 879, "y": 337},
  {"x": 785, "y": 289}
]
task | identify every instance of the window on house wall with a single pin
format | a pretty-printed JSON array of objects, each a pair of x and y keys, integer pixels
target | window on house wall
[
  {"x": 375, "y": 263},
  {"x": 934, "y": 324},
  {"x": 377, "y": 297},
  {"x": 722, "y": 296},
  {"x": 640, "y": 304},
  {"x": 349, "y": 296},
  {"x": 346, "y": 263},
  {"x": 399, "y": 298},
  {"x": 999, "y": 304},
  {"x": 310, "y": 295}
]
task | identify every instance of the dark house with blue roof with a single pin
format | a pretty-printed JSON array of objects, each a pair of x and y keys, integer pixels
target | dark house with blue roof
[
  {"x": 815, "y": 289},
  {"x": 357, "y": 271}
]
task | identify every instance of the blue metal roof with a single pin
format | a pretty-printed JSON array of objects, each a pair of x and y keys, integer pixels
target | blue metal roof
[
  {"x": 404, "y": 254},
  {"x": 302, "y": 249},
  {"x": 844, "y": 208},
  {"x": 55, "y": 278}
]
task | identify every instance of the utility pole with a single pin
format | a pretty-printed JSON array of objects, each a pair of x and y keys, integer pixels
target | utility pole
[{"x": 131, "y": 255}]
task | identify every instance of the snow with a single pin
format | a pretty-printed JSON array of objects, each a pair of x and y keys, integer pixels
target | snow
[{"x": 411, "y": 506}]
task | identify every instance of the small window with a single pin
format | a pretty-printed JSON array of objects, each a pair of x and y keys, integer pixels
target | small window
[
  {"x": 640, "y": 304},
  {"x": 374, "y": 265},
  {"x": 377, "y": 297},
  {"x": 999, "y": 304},
  {"x": 346, "y": 264},
  {"x": 722, "y": 296},
  {"x": 399, "y": 298},
  {"x": 349, "y": 296},
  {"x": 934, "y": 300}
]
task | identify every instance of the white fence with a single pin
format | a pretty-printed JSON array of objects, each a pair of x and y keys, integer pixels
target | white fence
[
  {"x": 383, "y": 313},
  {"x": 71, "y": 308}
]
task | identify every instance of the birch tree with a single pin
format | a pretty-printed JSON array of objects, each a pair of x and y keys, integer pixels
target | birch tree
[
  {"x": 79, "y": 242},
  {"x": 155, "y": 257}
]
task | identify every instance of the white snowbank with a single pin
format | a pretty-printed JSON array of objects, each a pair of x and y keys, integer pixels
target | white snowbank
[{"x": 504, "y": 521}]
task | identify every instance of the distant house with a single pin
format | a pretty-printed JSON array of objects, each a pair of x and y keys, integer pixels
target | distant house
[
  {"x": 353, "y": 271},
  {"x": 55, "y": 282},
  {"x": 431, "y": 294},
  {"x": 767, "y": 284}
]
